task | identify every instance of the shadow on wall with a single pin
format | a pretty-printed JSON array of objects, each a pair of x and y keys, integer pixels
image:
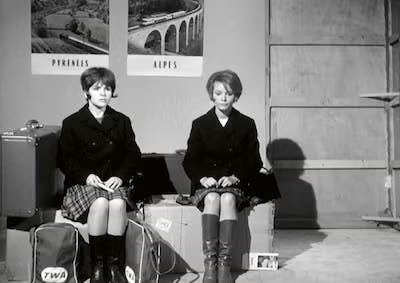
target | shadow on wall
[{"x": 297, "y": 206}]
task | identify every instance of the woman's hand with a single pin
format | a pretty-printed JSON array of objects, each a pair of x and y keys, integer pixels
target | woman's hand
[
  {"x": 113, "y": 183},
  {"x": 208, "y": 182},
  {"x": 93, "y": 180},
  {"x": 227, "y": 181}
]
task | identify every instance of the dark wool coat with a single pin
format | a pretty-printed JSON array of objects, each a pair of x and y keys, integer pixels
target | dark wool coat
[
  {"x": 216, "y": 151},
  {"x": 88, "y": 147}
]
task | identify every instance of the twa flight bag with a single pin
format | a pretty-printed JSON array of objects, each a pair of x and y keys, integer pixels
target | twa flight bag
[
  {"x": 141, "y": 254},
  {"x": 55, "y": 253}
]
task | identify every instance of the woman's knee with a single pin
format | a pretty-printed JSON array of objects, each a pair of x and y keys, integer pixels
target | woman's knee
[
  {"x": 100, "y": 205},
  {"x": 228, "y": 200},
  {"x": 117, "y": 205},
  {"x": 212, "y": 200}
]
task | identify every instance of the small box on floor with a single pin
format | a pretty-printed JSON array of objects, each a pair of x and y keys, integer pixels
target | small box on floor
[
  {"x": 263, "y": 261},
  {"x": 180, "y": 228}
]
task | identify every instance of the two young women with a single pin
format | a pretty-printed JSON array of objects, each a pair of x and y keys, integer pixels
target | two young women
[{"x": 97, "y": 147}]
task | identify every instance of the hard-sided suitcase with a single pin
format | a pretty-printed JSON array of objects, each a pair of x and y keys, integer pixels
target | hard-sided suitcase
[{"x": 29, "y": 174}]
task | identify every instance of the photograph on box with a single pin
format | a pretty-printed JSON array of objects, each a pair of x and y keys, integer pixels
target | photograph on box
[{"x": 264, "y": 261}]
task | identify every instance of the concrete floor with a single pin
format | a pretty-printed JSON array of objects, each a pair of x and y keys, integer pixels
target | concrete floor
[
  {"x": 332, "y": 255},
  {"x": 319, "y": 256}
]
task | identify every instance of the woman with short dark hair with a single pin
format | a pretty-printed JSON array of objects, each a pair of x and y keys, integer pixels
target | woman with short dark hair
[
  {"x": 98, "y": 155},
  {"x": 221, "y": 159}
]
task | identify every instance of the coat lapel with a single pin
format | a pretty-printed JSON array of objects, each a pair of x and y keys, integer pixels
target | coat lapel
[
  {"x": 230, "y": 126},
  {"x": 108, "y": 122},
  {"x": 213, "y": 120}
]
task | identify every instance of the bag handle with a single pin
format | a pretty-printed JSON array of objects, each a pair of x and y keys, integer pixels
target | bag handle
[{"x": 265, "y": 170}]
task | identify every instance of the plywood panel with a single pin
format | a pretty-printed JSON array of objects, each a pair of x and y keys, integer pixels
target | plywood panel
[
  {"x": 3, "y": 231},
  {"x": 396, "y": 192},
  {"x": 327, "y": 21},
  {"x": 395, "y": 132},
  {"x": 395, "y": 16},
  {"x": 329, "y": 198},
  {"x": 395, "y": 53},
  {"x": 395, "y": 50},
  {"x": 324, "y": 75},
  {"x": 328, "y": 133}
]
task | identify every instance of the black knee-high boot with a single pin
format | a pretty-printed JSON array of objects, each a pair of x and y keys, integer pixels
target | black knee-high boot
[
  {"x": 210, "y": 225},
  {"x": 226, "y": 229},
  {"x": 96, "y": 244},
  {"x": 115, "y": 258}
]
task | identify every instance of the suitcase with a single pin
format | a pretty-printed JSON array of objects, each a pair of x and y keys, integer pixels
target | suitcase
[{"x": 30, "y": 179}]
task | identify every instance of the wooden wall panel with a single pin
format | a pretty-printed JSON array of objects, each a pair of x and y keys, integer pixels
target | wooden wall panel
[
  {"x": 395, "y": 114},
  {"x": 396, "y": 133},
  {"x": 395, "y": 53},
  {"x": 3, "y": 233},
  {"x": 327, "y": 145},
  {"x": 395, "y": 44},
  {"x": 328, "y": 133},
  {"x": 329, "y": 198},
  {"x": 396, "y": 193},
  {"x": 327, "y": 21},
  {"x": 326, "y": 75}
]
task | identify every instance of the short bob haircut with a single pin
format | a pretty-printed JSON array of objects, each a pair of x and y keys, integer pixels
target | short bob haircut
[
  {"x": 229, "y": 79},
  {"x": 97, "y": 74}
]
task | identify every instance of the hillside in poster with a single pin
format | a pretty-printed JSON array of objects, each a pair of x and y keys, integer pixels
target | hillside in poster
[{"x": 70, "y": 26}]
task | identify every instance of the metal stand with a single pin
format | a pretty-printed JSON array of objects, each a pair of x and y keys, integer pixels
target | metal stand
[{"x": 392, "y": 100}]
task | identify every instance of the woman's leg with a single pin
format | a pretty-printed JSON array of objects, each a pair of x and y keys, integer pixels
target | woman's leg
[
  {"x": 210, "y": 226},
  {"x": 228, "y": 207},
  {"x": 97, "y": 226},
  {"x": 228, "y": 219},
  {"x": 116, "y": 241},
  {"x": 98, "y": 217},
  {"x": 117, "y": 217}
]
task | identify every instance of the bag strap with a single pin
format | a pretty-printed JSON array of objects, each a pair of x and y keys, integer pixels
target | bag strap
[{"x": 155, "y": 261}]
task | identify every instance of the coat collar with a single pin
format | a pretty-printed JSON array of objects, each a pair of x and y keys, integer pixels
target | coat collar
[
  {"x": 212, "y": 117},
  {"x": 109, "y": 120}
]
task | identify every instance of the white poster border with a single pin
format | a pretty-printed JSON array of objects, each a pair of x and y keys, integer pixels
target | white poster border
[
  {"x": 66, "y": 64},
  {"x": 158, "y": 65}
]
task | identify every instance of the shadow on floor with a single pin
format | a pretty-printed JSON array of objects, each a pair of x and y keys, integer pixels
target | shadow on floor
[{"x": 289, "y": 245}]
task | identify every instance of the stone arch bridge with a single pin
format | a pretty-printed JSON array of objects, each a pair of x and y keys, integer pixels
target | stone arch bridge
[{"x": 169, "y": 36}]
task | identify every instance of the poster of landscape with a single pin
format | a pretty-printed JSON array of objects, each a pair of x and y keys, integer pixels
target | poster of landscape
[
  {"x": 68, "y": 36},
  {"x": 165, "y": 37}
]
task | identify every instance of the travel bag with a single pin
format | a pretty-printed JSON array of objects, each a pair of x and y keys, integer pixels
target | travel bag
[
  {"x": 55, "y": 250},
  {"x": 143, "y": 253}
]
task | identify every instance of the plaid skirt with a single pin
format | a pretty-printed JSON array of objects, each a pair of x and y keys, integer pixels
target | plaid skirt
[
  {"x": 201, "y": 192},
  {"x": 79, "y": 198}
]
